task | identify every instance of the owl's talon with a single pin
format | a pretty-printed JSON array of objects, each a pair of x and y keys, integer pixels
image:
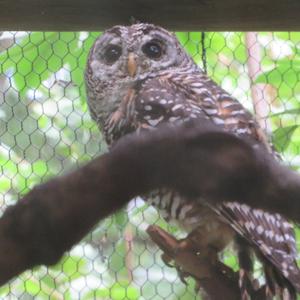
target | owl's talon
[
  {"x": 182, "y": 275},
  {"x": 167, "y": 259},
  {"x": 197, "y": 287}
]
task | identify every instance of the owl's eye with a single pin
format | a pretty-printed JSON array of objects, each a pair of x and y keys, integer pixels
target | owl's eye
[
  {"x": 112, "y": 54},
  {"x": 153, "y": 49}
]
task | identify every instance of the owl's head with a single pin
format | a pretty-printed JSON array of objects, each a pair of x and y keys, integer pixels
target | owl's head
[
  {"x": 130, "y": 53},
  {"x": 122, "y": 57}
]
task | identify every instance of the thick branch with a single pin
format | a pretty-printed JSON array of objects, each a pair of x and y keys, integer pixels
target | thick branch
[{"x": 196, "y": 160}]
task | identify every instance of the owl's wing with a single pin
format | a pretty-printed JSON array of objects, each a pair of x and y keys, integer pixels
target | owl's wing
[
  {"x": 221, "y": 108},
  {"x": 270, "y": 233},
  {"x": 179, "y": 98},
  {"x": 160, "y": 100}
]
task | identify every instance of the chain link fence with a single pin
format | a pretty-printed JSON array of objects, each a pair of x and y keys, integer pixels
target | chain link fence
[{"x": 46, "y": 130}]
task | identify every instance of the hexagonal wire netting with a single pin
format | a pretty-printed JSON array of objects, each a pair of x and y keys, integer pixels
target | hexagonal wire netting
[{"x": 45, "y": 130}]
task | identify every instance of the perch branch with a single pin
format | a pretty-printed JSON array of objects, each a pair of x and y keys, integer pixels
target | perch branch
[
  {"x": 208, "y": 276},
  {"x": 57, "y": 214}
]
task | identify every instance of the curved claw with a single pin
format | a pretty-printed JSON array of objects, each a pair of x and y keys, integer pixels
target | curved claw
[
  {"x": 182, "y": 275},
  {"x": 167, "y": 259}
]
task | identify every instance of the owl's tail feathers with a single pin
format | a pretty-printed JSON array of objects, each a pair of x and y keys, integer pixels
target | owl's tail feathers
[
  {"x": 284, "y": 285},
  {"x": 294, "y": 277}
]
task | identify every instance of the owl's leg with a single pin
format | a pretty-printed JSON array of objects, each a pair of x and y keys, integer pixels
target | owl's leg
[
  {"x": 270, "y": 282},
  {"x": 182, "y": 245},
  {"x": 246, "y": 282},
  {"x": 173, "y": 249},
  {"x": 189, "y": 260},
  {"x": 207, "y": 250},
  {"x": 182, "y": 275},
  {"x": 196, "y": 242}
]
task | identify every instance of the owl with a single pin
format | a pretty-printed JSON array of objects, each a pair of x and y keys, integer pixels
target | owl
[{"x": 138, "y": 77}]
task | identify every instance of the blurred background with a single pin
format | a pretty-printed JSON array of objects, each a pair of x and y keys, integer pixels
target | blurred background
[{"x": 46, "y": 130}]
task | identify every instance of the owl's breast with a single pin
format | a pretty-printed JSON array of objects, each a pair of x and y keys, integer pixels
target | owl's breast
[
  {"x": 120, "y": 117},
  {"x": 192, "y": 216}
]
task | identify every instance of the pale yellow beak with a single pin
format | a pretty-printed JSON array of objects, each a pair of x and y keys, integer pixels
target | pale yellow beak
[{"x": 131, "y": 64}]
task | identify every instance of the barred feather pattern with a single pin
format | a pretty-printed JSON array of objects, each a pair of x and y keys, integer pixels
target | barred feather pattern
[
  {"x": 270, "y": 234},
  {"x": 175, "y": 94}
]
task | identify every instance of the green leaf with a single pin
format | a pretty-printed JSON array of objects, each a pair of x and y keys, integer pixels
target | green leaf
[
  {"x": 32, "y": 287},
  {"x": 71, "y": 266},
  {"x": 295, "y": 111},
  {"x": 117, "y": 291},
  {"x": 5, "y": 290},
  {"x": 230, "y": 260},
  {"x": 122, "y": 292},
  {"x": 289, "y": 37},
  {"x": 38, "y": 55},
  {"x": 97, "y": 294},
  {"x": 121, "y": 218},
  {"x": 5, "y": 185},
  {"x": 286, "y": 71},
  {"x": 40, "y": 168},
  {"x": 49, "y": 281},
  {"x": 282, "y": 137}
]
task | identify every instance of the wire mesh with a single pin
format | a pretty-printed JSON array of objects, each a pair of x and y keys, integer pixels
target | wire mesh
[{"x": 45, "y": 130}]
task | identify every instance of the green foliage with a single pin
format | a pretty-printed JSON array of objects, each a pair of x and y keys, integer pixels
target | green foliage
[
  {"x": 117, "y": 291},
  {"x": 282, "y": 137},
  {"x": 39, "y": 55},
  {"x": 45, "y": 130}
]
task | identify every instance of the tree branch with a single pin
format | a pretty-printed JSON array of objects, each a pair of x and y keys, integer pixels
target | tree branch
[{"x": 57, "y": 214}]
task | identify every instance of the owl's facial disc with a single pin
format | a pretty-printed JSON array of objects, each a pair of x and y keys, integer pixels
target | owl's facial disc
[
  {"x": 127, "y": 54},
  {"x": 123, "y": 56}
]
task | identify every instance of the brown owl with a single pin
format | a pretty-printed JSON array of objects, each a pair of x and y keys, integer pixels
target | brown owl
[{"x": 138, "y": 77}]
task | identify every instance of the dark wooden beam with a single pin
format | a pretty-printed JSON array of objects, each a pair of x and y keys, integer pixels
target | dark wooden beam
[{"x": 180, "y": 15}]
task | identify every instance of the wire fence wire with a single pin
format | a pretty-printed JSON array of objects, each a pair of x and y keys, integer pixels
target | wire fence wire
[{"x": 46, "y": 130}]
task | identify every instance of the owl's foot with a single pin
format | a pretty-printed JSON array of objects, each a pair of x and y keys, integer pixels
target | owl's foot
[
  {"x": 167, "y": 260},
  {"x": 181, "y": 273},
  {"x": 245, "y": 284},
  {"x": 189, "y": 262},
  {"x": 182, "y": 253}
]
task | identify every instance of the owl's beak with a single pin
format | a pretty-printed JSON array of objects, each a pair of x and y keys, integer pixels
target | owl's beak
[{"x": 131, "y": 64}]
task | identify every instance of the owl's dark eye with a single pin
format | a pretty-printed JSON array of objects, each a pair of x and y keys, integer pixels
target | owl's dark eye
[
  {"x": 112, "y": 54},
  {"x": 153, "y": 49}
]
